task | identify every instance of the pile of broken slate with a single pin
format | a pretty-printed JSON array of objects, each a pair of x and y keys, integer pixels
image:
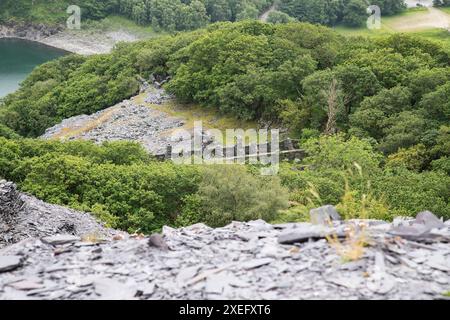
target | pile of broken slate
[{"x": 50, "y": 252}]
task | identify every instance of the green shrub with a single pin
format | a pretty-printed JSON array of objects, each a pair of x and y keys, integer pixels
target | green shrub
[
  {"x": 413, "y": 158},
  {"x": 7, "y": 132},
  {"x": 336, "y": 152},
  {"x": 230, "y": 193},
  {"x": 408, "y": 192}
]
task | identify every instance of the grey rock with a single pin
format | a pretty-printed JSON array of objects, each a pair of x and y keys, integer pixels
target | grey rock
[
  {"x": 109, "y": 289},
  {"x": 157, "y": 241},
  {"x": 351, "y": 281},
  {"x": 146, "y": 289},
  {"x": 60, "y": 239},
  {"x": 217, "y": 283},
  {"x": 186, "y": 274},
  {"x": 439, "y": 262},
  {"x": 411, "y": 232},
  {"x": 420, "y": 229},
  {"x": 126, "y": 121},
  {"x": 10, "y": 263},
  {"x": 239, "y": 261},
  {"x": 324, "y": 215},
  {"x": 26, "y": 285},
  {"x": 429, "y": 220},
  {"x": 256, "y": 263},
  {"x": 24, "y": 217},
  {"x": 304, "y": 233}
]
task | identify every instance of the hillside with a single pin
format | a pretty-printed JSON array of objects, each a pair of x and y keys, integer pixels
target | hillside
[
  {"x": 116, "y": 192},
  {"x": 387, "y": 119},
  {"x": 252, "y": 260}
]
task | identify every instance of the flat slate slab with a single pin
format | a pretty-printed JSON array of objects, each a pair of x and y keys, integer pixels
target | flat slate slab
[
  {"x": 9, "y": 263},
  {"x": 61, "y": 239}
]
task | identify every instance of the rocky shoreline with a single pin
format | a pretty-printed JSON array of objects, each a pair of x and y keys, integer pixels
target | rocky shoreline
[
  {"x": 68, "y": 40},
  {"x": 406, "y": 259}
]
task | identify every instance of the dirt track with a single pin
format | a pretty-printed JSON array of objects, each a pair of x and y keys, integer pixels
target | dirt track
[{"x": 434, "y": 18}]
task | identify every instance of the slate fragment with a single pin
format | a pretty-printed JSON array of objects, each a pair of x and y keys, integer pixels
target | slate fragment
[
  {"x": 61, "y": 239},
  {"x": 324, "y": 215},
  {"x": 10, "y": 263}
]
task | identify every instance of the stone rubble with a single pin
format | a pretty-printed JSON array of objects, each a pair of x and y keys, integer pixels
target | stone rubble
[
  {"x": 127, "y": 120},
  {"x": 23, "y": 216},
  {"x": 157, "y": 96},
  {"x": 130, "y": 121},
  {"x": 239, "y": 261}
]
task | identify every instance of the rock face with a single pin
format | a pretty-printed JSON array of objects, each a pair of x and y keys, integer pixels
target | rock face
[
  {"x": 23, "y": 216},
  {"x": 239, "y": 261},
  {"x": 10, "y": 201},
  {"x": 29, "y": 31}
]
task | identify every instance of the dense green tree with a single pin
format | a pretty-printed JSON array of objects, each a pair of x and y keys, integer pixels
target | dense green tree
[{"x": 278, "y": 17}]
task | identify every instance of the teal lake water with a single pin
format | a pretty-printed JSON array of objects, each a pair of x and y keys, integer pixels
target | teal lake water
[{"x": 18, "y": 58}]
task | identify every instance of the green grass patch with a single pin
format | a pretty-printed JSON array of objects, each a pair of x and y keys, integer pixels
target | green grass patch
[
  {"x": 389, "y": 25},
  {"x": 445, "y": 9},
  {"x": 435, "y": 34},
  {"x": 210, "y": 117}
]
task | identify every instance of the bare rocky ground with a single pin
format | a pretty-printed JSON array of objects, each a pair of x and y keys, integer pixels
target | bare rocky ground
[
  {"x": 128, "y": 120},
  {"x": 408, "y": 259},
  {"x": 23, "y": 216}
]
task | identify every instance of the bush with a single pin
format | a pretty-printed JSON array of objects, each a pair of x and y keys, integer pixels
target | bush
[
  {"x": 141, "y": 197},
  {"x": 336, "y": 152},
  {"x": 7, "y": 132},
  {"x": 408, "y": 192},
  {"x": 413, "y": 158},
  {"x": 230, "y": 193}
]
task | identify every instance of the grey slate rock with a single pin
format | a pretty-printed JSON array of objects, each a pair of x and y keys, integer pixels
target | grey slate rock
[
  {"x": 60, "y": 239},
  {"x": 256, "y": 263},
  {"x": 429, "y": 220},
  {"x": 420, "y": 228},
  {"x": 324, "y": 215},
  {"x": 157, "y": 241},
  {"x": 23, "y": 216},
  {"x": 26, "y": 285},
  {"x": 221, "y": 263},
  {"x": 109, "y": 289},
  {"x": 409, "y": 232},
  {"x": 303, "y": 233},
  {"x": 10, "y": 263}
]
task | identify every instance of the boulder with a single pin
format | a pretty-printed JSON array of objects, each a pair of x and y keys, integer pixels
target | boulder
[
  {"x": 324, "y": 215},
  {"x": 429, "y": 220},
  {"x": 157, "y": 241}
]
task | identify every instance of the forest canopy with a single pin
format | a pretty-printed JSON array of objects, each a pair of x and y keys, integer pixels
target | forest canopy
[{"x": 178, "y": 15}]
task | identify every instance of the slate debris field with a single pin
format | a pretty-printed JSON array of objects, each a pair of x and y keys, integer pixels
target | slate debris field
[{"x": 406, "y": 259}]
